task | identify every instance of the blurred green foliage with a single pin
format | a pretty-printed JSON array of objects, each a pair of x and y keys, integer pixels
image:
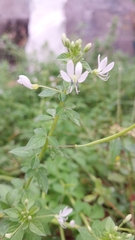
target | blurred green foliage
[{"x": 102, "y": 177}]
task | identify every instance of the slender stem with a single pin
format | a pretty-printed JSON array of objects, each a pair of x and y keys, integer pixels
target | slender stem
[
  {"x": 50, "y": 134},
  {"x": 62, "y": 235},
  {"x": 127, "y": 230},
  {"x": 107, "y": 139},
  {"x": 53, "y": 89}
]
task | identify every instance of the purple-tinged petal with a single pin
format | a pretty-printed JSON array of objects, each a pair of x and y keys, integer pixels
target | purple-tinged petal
[
  {"x": 108, "y": 68},
  {"x": 66, "y": 211},
  {"x": 98, "y": 60},
  {"x": 70, "y": 68},
  {"x": 83, "y": 77},
  {"x": 102, "y": 64},
  {"x": 65, "y": 76},
  {"x": 78, "y": 69},
  {"x": 25, "y": 81}
]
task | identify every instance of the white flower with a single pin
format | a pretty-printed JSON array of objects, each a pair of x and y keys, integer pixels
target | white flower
[
  {"x": 74, "y": 75},
  {"x": 103, "y": 68},
  {"x": 26, "y": 82},
  {"x": 63, "y": 216}
]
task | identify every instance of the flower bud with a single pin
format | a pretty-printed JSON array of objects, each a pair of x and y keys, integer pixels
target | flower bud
[
  {"x": 72, "y": 223},
  {"x": 8, "y": 235},
  {"x": 127, "y": 218},
  {"x": 64, "y": 39},
  {"x": 26, "y": 201},
  {"x": 67, "y": 43},
  {"x": 116, "y": 228},
  {"x": 87, "y": 47},
  {"x": 29, "y": 217},
  {"x": 129, "y": 235},
  {"x": 78, "y": 42}
]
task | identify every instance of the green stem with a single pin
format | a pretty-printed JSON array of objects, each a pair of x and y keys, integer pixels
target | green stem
[
  {"x": 127, "y": 230},
  {"x": 53, "y": 89},
  {"x": 50, "y": 134},
  {"x": 107, "y": 139},
  {"x": 62, "y": 235},
  {"x": 6, "y": 178}
]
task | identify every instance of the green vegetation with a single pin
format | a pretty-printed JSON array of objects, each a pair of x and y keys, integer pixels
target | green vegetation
[{"x": 96, "y": 181}]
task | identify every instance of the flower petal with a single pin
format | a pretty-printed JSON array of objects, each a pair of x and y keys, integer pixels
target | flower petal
[
  {"x": 66, "y": 211},
  {"x": 102, "y": 64},
  {"x": 108, "y": 68},
  {"x": 24, "y": 81},
  {"x": 65, "y": 76},
  {"x": 78, "y": 69},
  {"x": 70, "y": 68},
  {"x": 83, "y": 77}
]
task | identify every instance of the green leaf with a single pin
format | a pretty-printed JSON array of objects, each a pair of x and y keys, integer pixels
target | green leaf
[
  {"x": 35, "y": 142},
  {"x": 116, "y": 177},
  {"x": 18, "y": 235},
  {"x": 41, "y": 176},
  {"x": 85, "y": 234},
  {"x": 12, "y": 212},
  {"x": 59, "y": 110},
  {"x": 47, "y": 93},
  {"x": 21, "y": 152},
  {"x": 69, "y": 105},
  {"x": 53, "y": 141},
  {"x": 51, "y": 112},
  {"x": 86, "y": 66},
  {"x": 97, "y": 212},
  {"x": 44, "y": 118},
  {"x": 73, "y": 116},
  {"x": 63, "y": 56},
  {"x": 40, "y": 131},
  {"x": 62, "y": 97},
  {"x": 109, "y": 225},
  {"x": 36, "y": 227},
  {"x": 10, "y": 197}
]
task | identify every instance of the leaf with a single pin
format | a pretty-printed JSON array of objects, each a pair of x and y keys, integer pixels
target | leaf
[
  {"x": 53, "y": 141},
  {"x": 18, "y": 235},
  {"x": 36, "y": 227},
  {"x": 48, "y": 93},
  {"x": 10, "y": 197},
  {"x": 40, "y": 131},
  {"x": 41, "y": 176},
  {"x": 21, "y": 152},
  {"x": 70, "y": 105},
  {"x": 109, "y": 225},
  {"x": 97, "y": 212},
  {"x": 86, "y": 66},
  {"x": 12, "y": 212},
  {"x": 85, "y": 234},
  {"x": 51, "y": 112},
  {"x": 59, "y": 110},
  {"x": 73, "y": 116},
  {"x": 116, "y": 177},
  {"x": 44, "y": 118},
  {"x": 63, "y": 56},
  {"x": 35, "y": 142}
]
